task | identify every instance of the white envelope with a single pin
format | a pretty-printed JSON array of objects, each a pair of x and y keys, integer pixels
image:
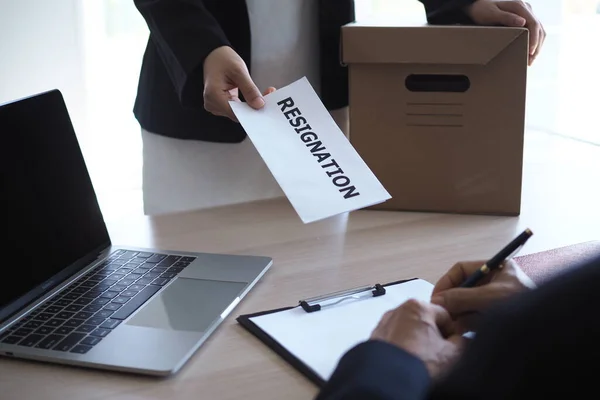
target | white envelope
[{"x": 314, "y": 163}]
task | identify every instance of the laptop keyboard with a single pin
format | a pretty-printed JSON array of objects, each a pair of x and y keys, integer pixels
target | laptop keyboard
[{"x": 80, "y": 316}]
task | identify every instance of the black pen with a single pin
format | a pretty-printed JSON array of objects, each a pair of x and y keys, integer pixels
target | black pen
[{"x": 498, "y": 259}]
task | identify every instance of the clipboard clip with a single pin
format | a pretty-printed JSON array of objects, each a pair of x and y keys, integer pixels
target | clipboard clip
[{"x": 317, "y": 303}]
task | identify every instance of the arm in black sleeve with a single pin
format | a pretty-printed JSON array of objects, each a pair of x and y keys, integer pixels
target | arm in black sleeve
[
  {"x": 334, "y": 76},
  {"x": 184, "y": 33},
  {"x": 446, "y": 12},
  {"x": 376, "y": 370}
]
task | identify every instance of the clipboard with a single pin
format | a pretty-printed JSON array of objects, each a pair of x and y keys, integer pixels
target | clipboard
[{"x": 331, "y": 303}]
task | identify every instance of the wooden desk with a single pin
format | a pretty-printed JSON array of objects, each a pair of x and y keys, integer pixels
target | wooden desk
[{"x": 560, "y": 203}]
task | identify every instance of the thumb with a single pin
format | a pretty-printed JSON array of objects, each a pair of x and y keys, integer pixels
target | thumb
[
  {"x": 508, "y": 19},
  {"x": 463, "y": 300},
  {"x": 249, "y": 90}
]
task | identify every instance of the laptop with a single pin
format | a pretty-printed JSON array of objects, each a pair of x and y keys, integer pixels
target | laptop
[{"x": 67, "y": 294}]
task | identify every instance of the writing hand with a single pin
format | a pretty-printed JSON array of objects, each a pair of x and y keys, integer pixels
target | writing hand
[{"x": 463, "y": 304}]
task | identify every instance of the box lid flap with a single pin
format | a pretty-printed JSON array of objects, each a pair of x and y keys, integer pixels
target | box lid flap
[{"x": 425, "y": 44}]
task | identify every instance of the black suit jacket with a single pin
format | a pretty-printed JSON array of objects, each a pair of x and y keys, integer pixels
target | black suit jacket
[
  {"x": 183, "y": 32},
  {"x": 540, "y": 345}
]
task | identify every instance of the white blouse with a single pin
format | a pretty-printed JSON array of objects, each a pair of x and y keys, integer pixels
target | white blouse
[{"x": 284, "y": 41}]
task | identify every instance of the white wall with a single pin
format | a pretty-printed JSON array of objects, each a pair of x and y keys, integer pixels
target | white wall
[
  {"x": 91, "y": 50},
  {"x": 40, "y": 49},
  {"x": 542, "y": 102}
]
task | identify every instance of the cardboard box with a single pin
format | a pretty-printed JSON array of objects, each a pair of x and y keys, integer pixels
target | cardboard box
[{"x": 438, "y": 114}]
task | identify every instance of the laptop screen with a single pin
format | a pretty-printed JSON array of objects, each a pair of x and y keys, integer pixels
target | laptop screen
[{"x": 52, "y": 224}]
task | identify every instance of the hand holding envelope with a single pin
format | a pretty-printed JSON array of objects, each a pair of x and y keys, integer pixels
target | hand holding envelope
[{"x": 309, "y": 156}]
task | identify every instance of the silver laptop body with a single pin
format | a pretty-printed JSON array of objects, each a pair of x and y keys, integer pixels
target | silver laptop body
[{"x": 72, "y": 296}]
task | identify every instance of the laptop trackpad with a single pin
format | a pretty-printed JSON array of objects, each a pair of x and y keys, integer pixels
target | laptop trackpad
[{"x": 188, "y": 305}]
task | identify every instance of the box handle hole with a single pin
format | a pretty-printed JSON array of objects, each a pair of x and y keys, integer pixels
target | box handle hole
[{"x": 437, "y": 83}]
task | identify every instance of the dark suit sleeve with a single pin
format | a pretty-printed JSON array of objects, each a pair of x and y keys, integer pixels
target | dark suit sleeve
[
  {"x": 334, "y": 76},
  {"x": 445, "y": 12},
  {"x": 376, "y": 370},
  {"x": 184, "y": 33}
]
